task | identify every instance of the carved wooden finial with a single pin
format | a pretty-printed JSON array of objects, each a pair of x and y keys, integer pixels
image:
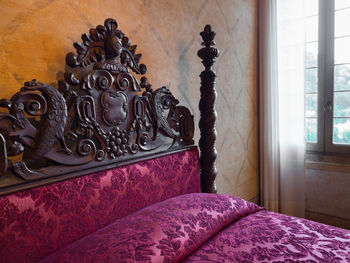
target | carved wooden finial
[
  {"x": 208, "y": 114},
  {"x": 109, "y": 47}
]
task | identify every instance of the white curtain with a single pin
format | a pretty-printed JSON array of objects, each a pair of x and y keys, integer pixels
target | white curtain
[
  {"x": 268, "y": 108},
  {"x": 281, "y": 93}
]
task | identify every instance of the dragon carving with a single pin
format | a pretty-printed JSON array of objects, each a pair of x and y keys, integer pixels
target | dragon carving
[
  {"x": 39, "y": 136},
  {"x": 97, "y": 114}
]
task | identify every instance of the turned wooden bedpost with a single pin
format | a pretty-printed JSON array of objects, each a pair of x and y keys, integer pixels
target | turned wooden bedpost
[{"x": 208, "y": 113}]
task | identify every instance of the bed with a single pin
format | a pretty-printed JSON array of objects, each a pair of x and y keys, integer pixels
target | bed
[{"x": 104, "y": 168}]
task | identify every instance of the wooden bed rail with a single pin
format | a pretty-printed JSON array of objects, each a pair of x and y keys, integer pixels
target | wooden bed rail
[{"x": 208, "y": 113}]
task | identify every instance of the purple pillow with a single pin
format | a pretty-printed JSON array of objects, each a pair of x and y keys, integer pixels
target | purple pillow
[{"x": 164, "y": 232}]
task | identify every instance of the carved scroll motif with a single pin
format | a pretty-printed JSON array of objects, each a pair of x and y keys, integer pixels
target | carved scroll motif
[{"x": 99, "y": 114}]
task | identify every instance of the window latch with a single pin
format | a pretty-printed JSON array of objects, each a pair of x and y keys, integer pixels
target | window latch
[{"x": 328, "y": 107}]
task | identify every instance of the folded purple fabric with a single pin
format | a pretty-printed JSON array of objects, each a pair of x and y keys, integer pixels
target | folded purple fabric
[
  {"x": 167, "y": 231},
  {"x": 275, "y": 238}
]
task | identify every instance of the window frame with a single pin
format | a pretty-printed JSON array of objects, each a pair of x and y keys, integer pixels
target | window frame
[{"x": 325, "y": 85}]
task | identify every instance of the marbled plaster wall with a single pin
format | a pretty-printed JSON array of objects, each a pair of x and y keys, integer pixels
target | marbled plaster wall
[{"x": 35, "y": 36}]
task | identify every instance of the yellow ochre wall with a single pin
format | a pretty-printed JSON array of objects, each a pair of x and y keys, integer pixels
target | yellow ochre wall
[{"x": 35, "y": 36}]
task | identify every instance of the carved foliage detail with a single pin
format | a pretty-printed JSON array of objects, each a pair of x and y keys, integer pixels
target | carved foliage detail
[
  {"x": 105, "y": 44},
  {"x": 95, "y": 116}
]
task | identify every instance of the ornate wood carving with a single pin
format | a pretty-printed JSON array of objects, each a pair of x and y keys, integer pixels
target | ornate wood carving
[
  {"x": 208, "y": 114},
  {"x": 100, "y": 114}
]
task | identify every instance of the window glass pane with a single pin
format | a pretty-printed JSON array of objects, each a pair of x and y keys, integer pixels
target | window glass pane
[
  {"x": 341, "y": 131},
  {"x": 311, "y": 80},
  {"x": 340, "y": 4},
  {"x": 342, "y": 104},
  {"x": 311, "y": 28},
  {"x": 311, "y": 7},
  {"x": 342, "y": 50},
  {"x": 311, "y": 130},
  {"x": 342, "y": 21},
  {"x": 311, "y": 105},
  {"x": 311, "y": 69},
  {"x": 341, "y": 77},
  {"x": 311, "y": 50}
]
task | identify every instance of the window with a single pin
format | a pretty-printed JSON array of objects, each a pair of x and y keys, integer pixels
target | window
[{"x": 327, "y": 75}]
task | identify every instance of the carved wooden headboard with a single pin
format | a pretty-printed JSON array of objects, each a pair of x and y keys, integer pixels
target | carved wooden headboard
[{"x": 101, "y": 116}]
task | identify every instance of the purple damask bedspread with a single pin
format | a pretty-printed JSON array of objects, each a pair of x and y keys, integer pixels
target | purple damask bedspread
[
  {"x": 164, "y": 232},
  {"x": 209, "y": 228},
  {"x": 271, "y": 237}
]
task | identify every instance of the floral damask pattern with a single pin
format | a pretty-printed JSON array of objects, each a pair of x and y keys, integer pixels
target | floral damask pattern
[
  {"x": 93, "y": 219},
  {"x": 271, "y": 237},
  {"x": 164, "y": 232},
  {"x": 36, "y": 222}
]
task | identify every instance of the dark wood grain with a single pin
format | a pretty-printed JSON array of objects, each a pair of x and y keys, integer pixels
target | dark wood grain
[
  {"x": 208, "y": 114},
  {"x": 100, "y": 116}
]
